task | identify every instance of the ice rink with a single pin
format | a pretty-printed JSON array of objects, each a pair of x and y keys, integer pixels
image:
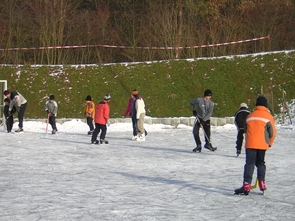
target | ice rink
[{"x": 64, "y": 177}]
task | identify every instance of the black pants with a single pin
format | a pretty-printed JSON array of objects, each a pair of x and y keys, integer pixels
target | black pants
[
  {"x": 52, "y": 122},
  {"x": 207, "y": 131},
  {"x": 240, "y": 138},
  {"x": 96, "y": 131},
  {"x": 89, "y": 121},
  {"x": 9, "y": 123},
  {"x": 21, "y": 113},
  {"x": 254, "y": 158}
]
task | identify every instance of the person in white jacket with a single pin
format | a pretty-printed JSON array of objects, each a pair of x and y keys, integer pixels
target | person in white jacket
[{"x": 139, "y": 112}]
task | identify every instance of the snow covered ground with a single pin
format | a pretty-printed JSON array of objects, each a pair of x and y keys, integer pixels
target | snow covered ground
[{"x": 64, "y": 177}]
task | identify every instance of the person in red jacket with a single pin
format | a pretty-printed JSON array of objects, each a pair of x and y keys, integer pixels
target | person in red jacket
[
  {"x": 260, "y": 133},
  {"x": 102, "y": 115}
]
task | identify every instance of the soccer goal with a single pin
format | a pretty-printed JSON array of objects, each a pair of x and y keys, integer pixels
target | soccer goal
[{"x": 3, "y": 87}]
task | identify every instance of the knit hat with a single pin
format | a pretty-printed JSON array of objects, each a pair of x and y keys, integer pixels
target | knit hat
[
  {"x": 88, "y": 98},
  {"x": 6, "y": 92},
  {"x": 243, "y": 105},
  {"x": 261, "y": 101},
  {"x": 51, "y": 97},
  {"x": 134, "y": 92},
  {"x": 207, "y": 92},
  {"x": 107, "y": 97}
]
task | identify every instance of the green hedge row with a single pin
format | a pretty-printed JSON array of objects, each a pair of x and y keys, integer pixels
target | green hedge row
[{"x": 166, "y": 86}]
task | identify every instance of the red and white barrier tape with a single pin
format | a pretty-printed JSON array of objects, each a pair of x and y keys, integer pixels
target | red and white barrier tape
[{"x": 131, "y": 47}]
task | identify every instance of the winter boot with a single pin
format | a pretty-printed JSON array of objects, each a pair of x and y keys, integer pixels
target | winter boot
[
  {"x": 245, "y": 189},
  {"x": 103, "y": 141},
  {"x": 198, "y": 148},
  {"x": 53, "y": 131},
  {"x": 209, "y": 147},
  {"x": 262, "y": 185}
]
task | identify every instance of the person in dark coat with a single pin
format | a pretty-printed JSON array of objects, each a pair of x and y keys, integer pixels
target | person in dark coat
[
  {"x": 8, "y": 115},
  {"x": 240, "y": 121},
  {"x": 20, "y": 103},
  {"x": 203, "y": 113}
]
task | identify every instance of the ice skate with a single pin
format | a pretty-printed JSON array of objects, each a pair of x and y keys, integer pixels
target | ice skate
[
  {"x": 198, "y": 148},
  {"x": 141, "y": 137},
  {"x": 210, "y": 147},
  {"x": 134, "y": 137},
  {"x": 19, "y": 130},
  {"x": 103, "y": 141},
  {"x": 244, "y": 190},
  {"x": 95, "y": 142},
  {"x": 90, "y": 132}
]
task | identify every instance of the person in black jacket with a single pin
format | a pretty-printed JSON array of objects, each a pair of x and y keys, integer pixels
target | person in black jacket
[
  {"x": 240, "y": 121},
  {"x": 8, "y": 115},
  {"x": 20, "y": 103}
]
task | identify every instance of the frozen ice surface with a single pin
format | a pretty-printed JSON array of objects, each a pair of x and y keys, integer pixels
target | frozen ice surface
[{"x": 64, "y": 177}]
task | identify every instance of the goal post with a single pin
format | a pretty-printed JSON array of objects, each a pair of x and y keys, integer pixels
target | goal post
[{"x": 3, "y": 87}]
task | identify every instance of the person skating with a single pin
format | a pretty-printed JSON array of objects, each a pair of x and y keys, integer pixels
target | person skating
[
  {"x": 8, "y": 115},
  {"x": 129, "y": 112},
  {"x": 89, "y": 113},
  {"x": 51, "y": 109},
  {"x": 240, "y": 121},
  {"x": 260, "y": 133},
  {"x": 102, "y": 115},
  {"x": 20, "y": 103},
  {"x": 138, "y": 116},
  {"x": 203, "y": 113}
]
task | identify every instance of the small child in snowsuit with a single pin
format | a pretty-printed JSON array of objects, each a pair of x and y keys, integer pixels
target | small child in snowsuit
[
  {"x": 51, "y": 109},
  {"x": 89, "y": 113},
  {"x": 8, "y": 116},
  {"x": 240, "y": 122}
]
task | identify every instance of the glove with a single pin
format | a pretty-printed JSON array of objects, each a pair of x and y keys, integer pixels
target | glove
[
  {"x": 195, "y": 113},
  {"x": 108, "y": 123},
  {"x": 48, "y": 111},
  {"x": 88, "y": 115}
]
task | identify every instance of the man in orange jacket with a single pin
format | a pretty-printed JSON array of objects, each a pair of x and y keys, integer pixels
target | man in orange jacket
[
  {"x": 102, "y": 115},
  {"x": 260, "y": 134}
]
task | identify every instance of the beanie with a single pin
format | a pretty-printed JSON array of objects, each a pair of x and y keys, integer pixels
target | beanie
[
  {"x": 51, "y": 97},
  {"x": 243, "y": 105},
  {"x": 88, "y": 98},
  {"x": 134, "y": 92},
  {"x": 261, "y": 101},
  {"x": 107, "y": 97},
  {"x": 6, "y": 92},
  {"x": 207, "y": 92}
]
